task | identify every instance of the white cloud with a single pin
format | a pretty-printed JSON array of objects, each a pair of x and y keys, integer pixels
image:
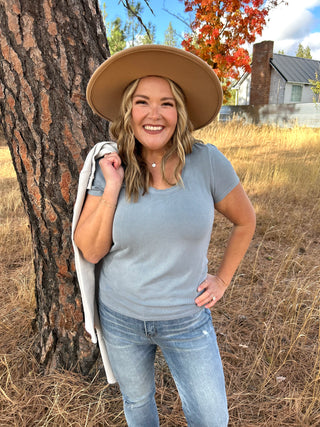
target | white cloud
[
  {"x": 292, "y": 24},
  {"x": 313, "y": 41},
  {"x": 287, "y": 24}
]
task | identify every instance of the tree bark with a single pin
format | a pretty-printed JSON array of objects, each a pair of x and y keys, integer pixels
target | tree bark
[{"x": 48, "y": 51}]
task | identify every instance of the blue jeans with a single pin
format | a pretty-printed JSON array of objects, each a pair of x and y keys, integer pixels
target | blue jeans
[{"x": 190, "y": 349}]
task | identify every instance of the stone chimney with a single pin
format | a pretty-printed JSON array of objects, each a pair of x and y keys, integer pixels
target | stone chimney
[{"x": 261, "y": 73}]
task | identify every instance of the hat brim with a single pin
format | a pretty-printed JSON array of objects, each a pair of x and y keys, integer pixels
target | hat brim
[{"x": 197, "y": 80}]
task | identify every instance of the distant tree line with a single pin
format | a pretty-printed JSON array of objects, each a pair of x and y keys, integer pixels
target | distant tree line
[{"x": 302, "y": 52}]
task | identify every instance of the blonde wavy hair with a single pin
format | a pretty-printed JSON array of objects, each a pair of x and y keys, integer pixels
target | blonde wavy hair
[{"x": 137, "y": 175}]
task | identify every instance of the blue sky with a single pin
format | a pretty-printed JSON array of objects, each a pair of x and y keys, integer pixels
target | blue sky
[
  {"x": 160, "y": 19},
  {"x": 297, "y": 22}
]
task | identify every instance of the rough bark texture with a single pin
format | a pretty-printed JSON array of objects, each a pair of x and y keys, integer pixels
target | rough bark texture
[{"x": 48, "y": 50}]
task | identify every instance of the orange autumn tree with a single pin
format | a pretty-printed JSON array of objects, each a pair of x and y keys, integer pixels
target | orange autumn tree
[{"x": 220, "y": 31}]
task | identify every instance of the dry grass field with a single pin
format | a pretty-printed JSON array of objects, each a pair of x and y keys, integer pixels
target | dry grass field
[{"x": 267, "y": 324}]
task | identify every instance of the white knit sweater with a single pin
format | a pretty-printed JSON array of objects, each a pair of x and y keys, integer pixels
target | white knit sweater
[{"x": 86, "y": 270}]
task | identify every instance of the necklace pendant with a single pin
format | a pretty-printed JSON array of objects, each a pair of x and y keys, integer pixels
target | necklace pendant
[{"x": 153, "y": 164}]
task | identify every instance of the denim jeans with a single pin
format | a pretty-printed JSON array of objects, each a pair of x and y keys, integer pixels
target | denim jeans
[{"x": 190, "y": 349}]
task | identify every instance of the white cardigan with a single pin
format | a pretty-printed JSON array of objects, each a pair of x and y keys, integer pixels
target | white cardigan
[{"x": 86, "y": 270}]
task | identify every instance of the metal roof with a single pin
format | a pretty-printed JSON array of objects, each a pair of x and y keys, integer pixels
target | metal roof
[{"x": 294, "y": 69}]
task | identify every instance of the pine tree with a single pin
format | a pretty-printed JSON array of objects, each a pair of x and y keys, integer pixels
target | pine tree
[
  {"x": 303, "y": 52},
  {"x": 47, "y": 55},
  {"x": 300, "y": 51},
  {"x": 307, "y": 53},
  {"x": 116, "y": 37},
  {"x": 148, "y": 38},
  {"x": 170, "y": 36},
  {"x": 133, "y": 28}
]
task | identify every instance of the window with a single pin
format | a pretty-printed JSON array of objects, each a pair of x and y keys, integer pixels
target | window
[{"x": 296, "y": 93}]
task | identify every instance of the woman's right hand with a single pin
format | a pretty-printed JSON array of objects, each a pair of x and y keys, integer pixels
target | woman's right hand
[
  {"x": 112, "y": 170},
  {"x": 93, "y": 234}
]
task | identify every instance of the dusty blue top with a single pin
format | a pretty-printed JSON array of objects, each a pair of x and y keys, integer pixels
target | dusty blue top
[{"x": 159, "y": 254}]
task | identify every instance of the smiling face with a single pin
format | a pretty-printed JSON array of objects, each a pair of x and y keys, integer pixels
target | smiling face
[{"x": 154, "y": 115}]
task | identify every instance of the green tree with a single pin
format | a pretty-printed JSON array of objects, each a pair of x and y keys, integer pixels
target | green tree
[
  {"x": 116, "y": 36},
  {"x": 136, "y": 32},
  {"x": 170, "y": 36},
  {"x": 315, "y": 87},
  {"x": 148, "y": 38},
  {"x": 300, "y": 51},
  {"x": 303, "y": 52},
  {"x": 133, "y": 28},
  {"x": 307, "y": 53},
  {"x": 131, "y": 7}
]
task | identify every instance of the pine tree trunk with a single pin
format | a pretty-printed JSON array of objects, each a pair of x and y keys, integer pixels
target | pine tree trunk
[{"x": 48, "y": 50}]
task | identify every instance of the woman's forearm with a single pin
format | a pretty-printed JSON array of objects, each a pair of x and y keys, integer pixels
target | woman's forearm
[
  {"x": 236, "y": 248},
  {"x": 215, "y": 286},
  {"x": 237, "y": 208},
  {"x": 93, "y": 235}
]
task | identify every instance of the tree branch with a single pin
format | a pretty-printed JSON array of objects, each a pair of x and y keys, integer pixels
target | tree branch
[
  {"x": 127, "y": 5},
  {"x": 178, "y": 17},
  {"x": 147, "y": 3}
]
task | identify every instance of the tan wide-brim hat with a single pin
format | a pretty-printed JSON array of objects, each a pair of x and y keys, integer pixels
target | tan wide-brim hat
[{"x": 198, "y": 81}]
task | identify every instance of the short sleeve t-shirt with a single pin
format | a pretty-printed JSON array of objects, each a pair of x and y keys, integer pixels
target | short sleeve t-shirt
[{"x": 160, "y": 243}]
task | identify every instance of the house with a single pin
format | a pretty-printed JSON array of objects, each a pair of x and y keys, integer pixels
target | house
[{"x": 276, "y": 79}]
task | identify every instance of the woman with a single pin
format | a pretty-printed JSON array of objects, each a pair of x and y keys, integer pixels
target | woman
[{"x": 148, "y": 218}]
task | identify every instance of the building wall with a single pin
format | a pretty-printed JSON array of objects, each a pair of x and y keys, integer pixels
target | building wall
[
  {"x": 280, "y": 91},
  {"x": 243, "y": 93},
  {"x": 277, "y": 88},
  {"x": 283, "y": 115},
  {"x": 306, "y": 96}
]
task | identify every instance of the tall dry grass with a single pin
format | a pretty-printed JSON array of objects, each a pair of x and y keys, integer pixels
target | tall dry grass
[{"x": 267, "y": 324}]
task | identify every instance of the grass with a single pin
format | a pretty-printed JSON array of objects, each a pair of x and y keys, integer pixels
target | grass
[{"x": 267, "y": 324}]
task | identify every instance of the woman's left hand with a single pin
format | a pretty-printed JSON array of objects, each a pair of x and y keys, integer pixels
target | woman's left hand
[{"x": 213, "y": 289}]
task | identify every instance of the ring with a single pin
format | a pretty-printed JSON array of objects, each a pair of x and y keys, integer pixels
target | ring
[{"x": 214, "y": 299}]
